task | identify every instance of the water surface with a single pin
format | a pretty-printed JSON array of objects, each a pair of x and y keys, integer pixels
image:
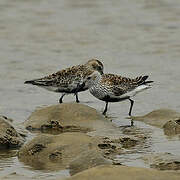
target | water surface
[{"x": 132, "y": 38}]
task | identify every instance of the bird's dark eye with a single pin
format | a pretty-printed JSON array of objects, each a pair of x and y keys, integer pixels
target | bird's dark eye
[
  {"x": 99, "y": 68},
  {"x": 89, "y": 78}
]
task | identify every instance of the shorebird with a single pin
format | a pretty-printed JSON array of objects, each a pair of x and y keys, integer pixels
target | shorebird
[
  {"x": 115, "y": 88},
  {"x": 69, "y": 80}
]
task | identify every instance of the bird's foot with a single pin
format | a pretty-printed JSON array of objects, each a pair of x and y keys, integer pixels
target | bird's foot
[{"x": 77, "y": 101}]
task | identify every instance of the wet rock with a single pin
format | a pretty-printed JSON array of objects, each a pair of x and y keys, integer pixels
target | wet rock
[
  {"x": 9, "y": 137},
  {"x": 172, "y": 127},
  {"x": 134, "y": 136},
  {"x": 110, "y": 149},
  {"x": 158, "y": 117},
  {"x": 66, "y": 117},
  {"x": 163, "y": 161},
  {"x": 127, "y": 141},
  {"x": 56, "y": 152},
  {"x": 87, "y": 160},
  {"x": 106, "y": 146},
  {"x": 114, "y": 172},
  {"x": 121, "y": 145}
]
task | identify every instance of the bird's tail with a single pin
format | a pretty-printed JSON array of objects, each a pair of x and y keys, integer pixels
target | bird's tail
[
  {"x": 38, "y": 82},
  {"x": 143, "y": 81},
  {"x": 148, "y": 82},
  {"x": 29, "y": 82}
]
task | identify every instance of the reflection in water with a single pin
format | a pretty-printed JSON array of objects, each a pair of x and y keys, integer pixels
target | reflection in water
[
  {"x": 13, "y": 169},
  {"x": 155, "y": 142},
  {"x": 6, "y": 158}
]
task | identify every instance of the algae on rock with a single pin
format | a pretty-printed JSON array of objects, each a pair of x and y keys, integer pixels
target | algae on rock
[{"x": 9, "y": 137}]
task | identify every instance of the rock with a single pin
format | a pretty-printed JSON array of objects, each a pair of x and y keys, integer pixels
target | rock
[
  {"x": 87, "y": 160},
  {"x": 172, "y": 127},
  {"x": 128, "y": 142},
  {"x": 132, "y": 136},
  {"x": 123, "y": 142},
  {"x": 56, "y": 152},
  {"x": 9, "y": 137},
  {"x": 163, "y": 161},
  {"x": 167, "y": 119},
  {"x": 114, "y": 172},
  {"x": 67, "y": 117},
  {"x": 122, "y": 145},
  {"x": 158, "y": 117}
]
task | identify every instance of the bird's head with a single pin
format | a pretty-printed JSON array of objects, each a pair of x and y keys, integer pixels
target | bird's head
[{"x": 96, "y": 65}]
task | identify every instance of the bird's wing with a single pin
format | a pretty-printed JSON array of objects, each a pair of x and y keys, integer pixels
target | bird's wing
[
  {"x": 74, "y": 85},
  {"x": 67, "y": 80},
  {"x": 120, "y": 85},
  {"x": 62, "y": 78}
]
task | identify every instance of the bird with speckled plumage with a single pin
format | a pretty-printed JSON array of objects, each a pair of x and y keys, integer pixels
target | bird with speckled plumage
[
  {"x": 69, "y": 80},
  {"x": 115, "y": 88}
]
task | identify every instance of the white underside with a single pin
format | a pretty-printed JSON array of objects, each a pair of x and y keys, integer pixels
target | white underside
[
  {"x": 101, "y": 93},
  {"x": 50, "y": 88},
  {"x": 135, "y": 91}
]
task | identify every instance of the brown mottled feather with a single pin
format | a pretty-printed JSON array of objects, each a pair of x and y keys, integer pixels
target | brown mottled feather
[
  {"x": 69, "y": 80},
  {"x": 119, "y": 84},
  {"x": 64, "y": 77}
]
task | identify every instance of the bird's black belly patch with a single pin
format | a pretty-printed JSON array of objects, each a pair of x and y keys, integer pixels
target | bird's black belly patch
[{"x": 107, "y": 98}]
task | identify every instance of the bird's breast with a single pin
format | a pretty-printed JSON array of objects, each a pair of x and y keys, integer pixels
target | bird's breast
[{"x": 98, "y": 91}]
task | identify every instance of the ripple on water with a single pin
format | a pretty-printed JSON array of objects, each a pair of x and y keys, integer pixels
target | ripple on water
[{"x": 131, "y": 37}]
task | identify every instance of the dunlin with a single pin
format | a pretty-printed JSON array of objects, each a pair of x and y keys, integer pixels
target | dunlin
[
  {"x": 115, "y": 88},
  {"x": 70, "y": 80}
]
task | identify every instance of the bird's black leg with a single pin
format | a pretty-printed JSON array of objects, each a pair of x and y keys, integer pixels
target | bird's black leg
[
  {"x": 60, "y": 100},
  {"x": 105, "y": 110},
  {"x": 132, "y": 102},
  {"x": 77, "y": 100}
]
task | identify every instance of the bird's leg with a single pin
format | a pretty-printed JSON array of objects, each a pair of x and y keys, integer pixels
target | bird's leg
[
  {"x": 132, "y": 102},
  {"x": 77, "y": 100},
  {"x": 60, "y": 100},
  {"x": 105, "y": 110}
]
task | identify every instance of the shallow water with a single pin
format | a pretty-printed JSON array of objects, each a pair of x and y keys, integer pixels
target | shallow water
[{"x": 137, "y": 37}]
